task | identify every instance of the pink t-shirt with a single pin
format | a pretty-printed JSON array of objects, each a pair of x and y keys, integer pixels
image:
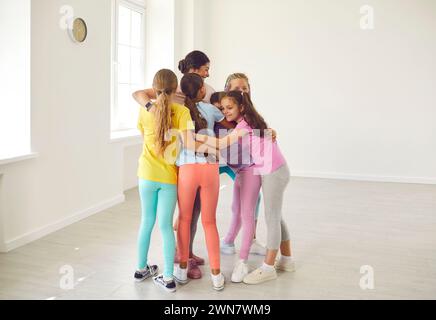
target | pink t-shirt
[
  {"x": 179, "y": 97},
  {"x": 265, "y": 153}
]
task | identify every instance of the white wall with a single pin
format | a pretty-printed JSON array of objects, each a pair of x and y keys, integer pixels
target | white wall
[
  {"x": 160, "y": 36},
  {"x": 346, "y": 103},
  {"x": 162, "y": 40},
  {"x": 130, "y": 165},
  {"x": 184, "y": 30},
  {"x": 191, "y": 16},
  {"x": 78, "y": 172},
  {"x": 14, "y": 85},
  {"x": 2, "y": 236}
]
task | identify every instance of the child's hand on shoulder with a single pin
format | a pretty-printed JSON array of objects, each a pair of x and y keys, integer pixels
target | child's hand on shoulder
[{"x": 271, "y": 133}]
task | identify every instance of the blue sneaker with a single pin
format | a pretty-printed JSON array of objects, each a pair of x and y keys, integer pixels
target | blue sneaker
[
  {"x": 169, "y": 286},
  {"x": 148, "y": 272}
]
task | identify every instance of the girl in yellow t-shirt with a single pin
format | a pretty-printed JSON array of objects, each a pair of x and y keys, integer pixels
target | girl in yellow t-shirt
[
  {"x": 157, "y": 174},
  {"x": 199, "y": 63}
]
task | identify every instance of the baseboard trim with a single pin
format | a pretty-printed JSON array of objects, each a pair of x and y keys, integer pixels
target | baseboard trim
[
  {"x": 46, "y": 230},
  {"x": 3, "y": 248},
  {"x": 356, "y": 177},
  {"x": 130, "y": 187}
]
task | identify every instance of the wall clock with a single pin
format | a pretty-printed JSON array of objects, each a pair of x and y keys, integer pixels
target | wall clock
[{"x": 79, "y": 31}]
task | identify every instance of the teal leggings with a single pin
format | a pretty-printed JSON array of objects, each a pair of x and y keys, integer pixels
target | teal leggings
[
  {"x": 157, "y": 200},
  {"x": 229, "y": 172},
  {"x": 232, "y": 175}
]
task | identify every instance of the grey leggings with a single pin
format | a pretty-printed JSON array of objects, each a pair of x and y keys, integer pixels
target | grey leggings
[{"x": 273, "y": 188}]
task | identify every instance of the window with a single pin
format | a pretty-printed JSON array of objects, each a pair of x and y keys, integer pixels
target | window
[
  {"x": 14, "y": 78},
  {"x": 129, "y": 64}
]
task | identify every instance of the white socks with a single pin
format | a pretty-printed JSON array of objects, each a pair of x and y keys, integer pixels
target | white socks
[
  {"x": 217, "y": 277},
  {"x": 181, "y": 274},
  {"x": 267, "y": 268},
  {"x": 285, "y": 260}
]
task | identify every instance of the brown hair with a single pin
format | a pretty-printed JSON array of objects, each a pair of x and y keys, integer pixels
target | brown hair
[
  {"x": 249, "y": 112},
  {"x": 194, "y": 60},
  {"x": 165, "y": 84},
  {"x": 191, "y": 84},
  {"x": 235, "y": 76},
  {"x": 216, "y": 97}
]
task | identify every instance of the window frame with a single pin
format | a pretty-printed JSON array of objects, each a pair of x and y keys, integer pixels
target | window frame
[
  {"x": 117, "y": 133},
  {"x": 25, "y": 150}
]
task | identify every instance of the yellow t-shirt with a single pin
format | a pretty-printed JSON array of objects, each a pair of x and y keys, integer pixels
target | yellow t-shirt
[{"x": 161, "y": 168}]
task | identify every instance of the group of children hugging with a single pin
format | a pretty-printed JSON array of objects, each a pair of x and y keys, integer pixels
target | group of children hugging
[{"x": 216, "y": 133}]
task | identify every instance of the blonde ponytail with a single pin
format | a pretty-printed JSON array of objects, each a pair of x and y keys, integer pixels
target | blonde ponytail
[
  {"x": 163, "y": 122},
  {"x": 165, "y": 84}
]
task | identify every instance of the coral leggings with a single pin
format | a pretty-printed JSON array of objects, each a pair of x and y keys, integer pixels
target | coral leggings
[{"x": 206, "y": 178}]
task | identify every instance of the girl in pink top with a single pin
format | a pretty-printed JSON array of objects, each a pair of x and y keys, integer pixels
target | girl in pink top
[{"x": 270, "y": 166}]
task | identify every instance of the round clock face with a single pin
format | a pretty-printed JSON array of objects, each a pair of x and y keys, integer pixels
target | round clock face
[{"x": 80, "y": 30}]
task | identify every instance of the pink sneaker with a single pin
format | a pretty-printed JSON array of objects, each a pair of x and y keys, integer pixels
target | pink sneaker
[
  {"x": 199, "y": 261},
  {"x": 194, "y": 271}
]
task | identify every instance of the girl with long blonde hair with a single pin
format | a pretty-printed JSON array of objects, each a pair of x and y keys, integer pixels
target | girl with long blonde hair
[{"x": 157, "y": 174}]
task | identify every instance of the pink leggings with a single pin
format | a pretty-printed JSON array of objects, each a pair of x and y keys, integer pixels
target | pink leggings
[
  {"x": 206, "y": 178},
  {"x": 245, "y": 195}
]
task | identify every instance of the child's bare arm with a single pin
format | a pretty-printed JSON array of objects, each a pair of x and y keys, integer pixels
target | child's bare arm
[
  {"x": 228, "y": 125},
  {"x": 144, "y": 96},
  {"x": 190, "y": 143},
  {"x": 222, "y": 143}
]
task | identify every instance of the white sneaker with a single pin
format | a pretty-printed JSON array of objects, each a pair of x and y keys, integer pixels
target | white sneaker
[
  {"x": 260, "y": 276},
  {"x": 180, "y": 275},
  {"x": 239, "y": 272},
  {"x": 218, "y": 282},
  {"x": 227, "y": 248},
  {"x": 285, "y": 265},
  {"x": 257, "y": 248}
]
